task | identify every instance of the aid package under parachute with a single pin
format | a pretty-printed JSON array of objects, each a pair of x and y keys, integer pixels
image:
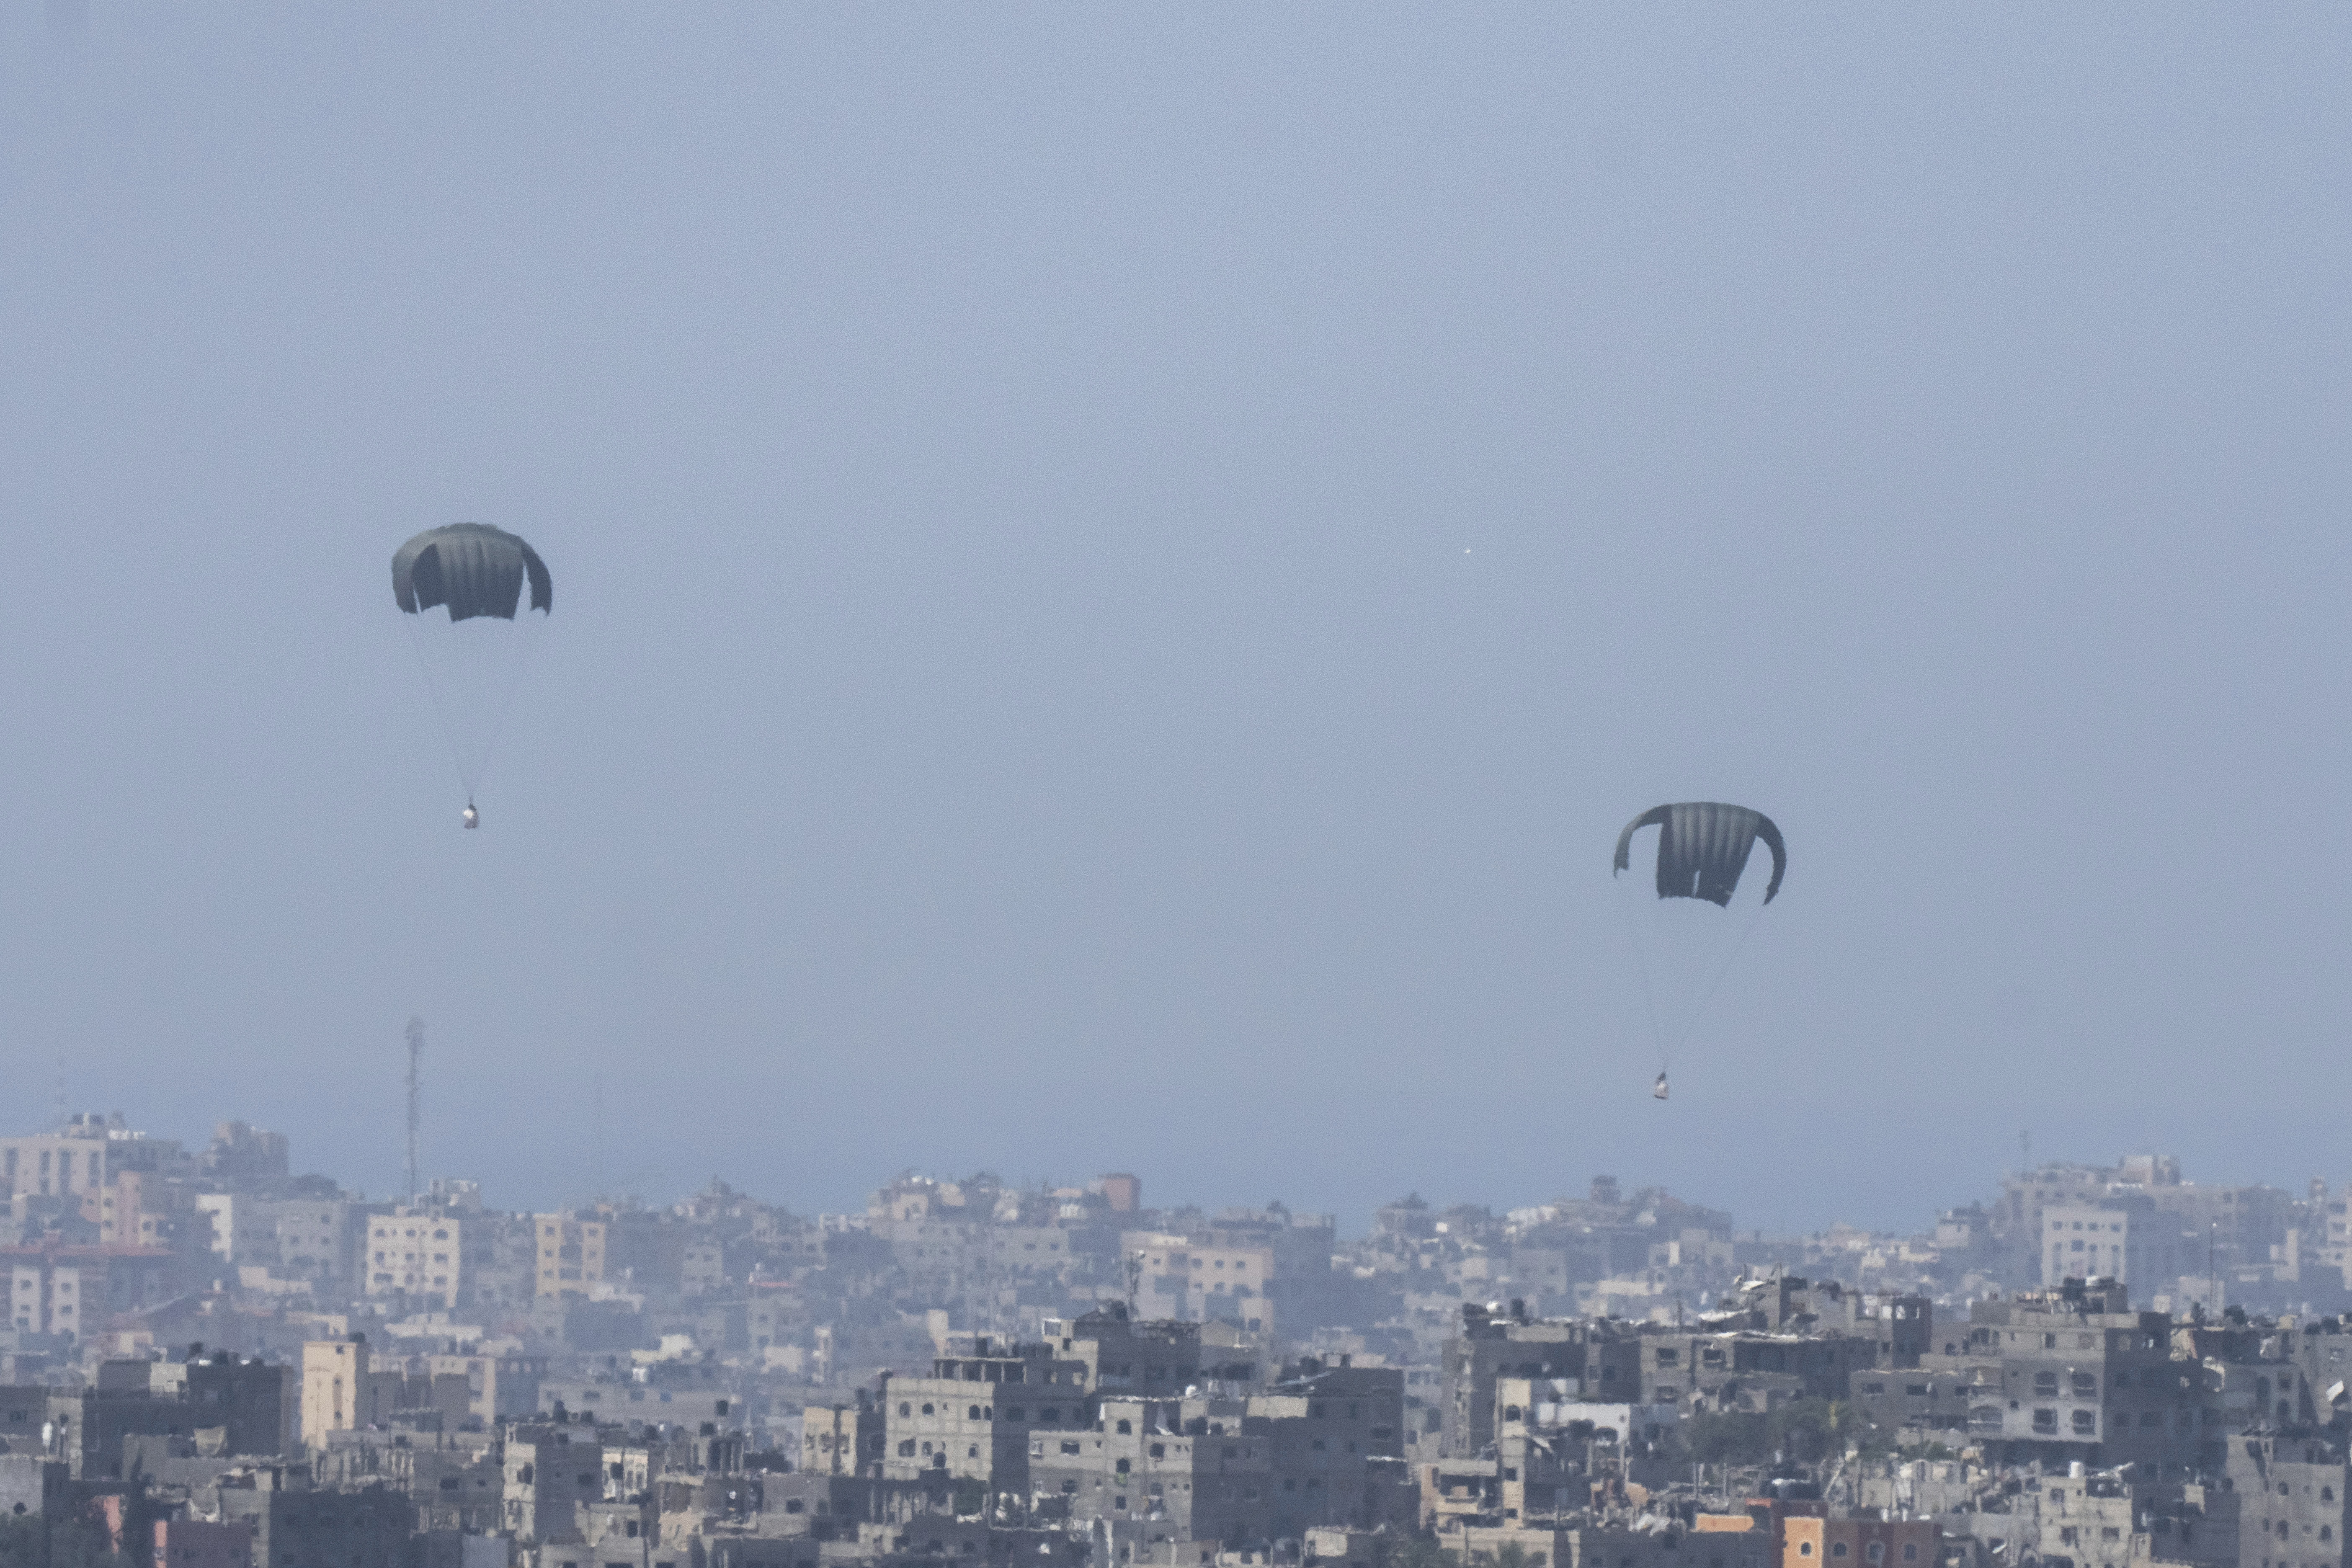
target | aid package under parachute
[
  {"x": 1687, "y": 938},
  {"x": 461, "y": 593}
]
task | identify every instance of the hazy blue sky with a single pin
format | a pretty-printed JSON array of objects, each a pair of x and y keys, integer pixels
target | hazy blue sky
[{"x": 1119, "y": 568}]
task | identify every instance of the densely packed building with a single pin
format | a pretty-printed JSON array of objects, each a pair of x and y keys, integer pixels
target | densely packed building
[{"x": 216, "y": 1362}]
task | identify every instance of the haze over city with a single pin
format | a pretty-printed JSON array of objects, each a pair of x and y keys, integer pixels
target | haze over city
[{"x": 1307, "y": 786}]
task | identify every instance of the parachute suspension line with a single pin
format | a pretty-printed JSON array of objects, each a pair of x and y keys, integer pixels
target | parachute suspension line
[
  {"x": 1632, "y": 920},
  {"x": 531, "y": 630},
  {"x": 531, "y": 635},
  {"x": 1703, "y": 851},
  {"x": 440, "y": 711},
  {"x": 1722, "y": 971}
]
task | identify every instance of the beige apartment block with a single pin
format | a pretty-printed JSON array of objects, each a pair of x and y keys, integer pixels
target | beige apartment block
[
  {"x": 340, "y": 1390},
  {"x": 571, "y": 1254}
]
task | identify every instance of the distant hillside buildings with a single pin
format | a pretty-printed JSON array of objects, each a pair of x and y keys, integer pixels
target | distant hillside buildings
[{"x": 218, "y": 1363}]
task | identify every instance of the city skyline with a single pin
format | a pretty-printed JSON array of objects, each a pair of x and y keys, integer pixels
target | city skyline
[
  {"x": 995, "y": 787},
  {"x": 254, "y": 1367}
]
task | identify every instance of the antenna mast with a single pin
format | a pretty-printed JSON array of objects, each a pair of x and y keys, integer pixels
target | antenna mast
[{"x": 415, "y": 1097}]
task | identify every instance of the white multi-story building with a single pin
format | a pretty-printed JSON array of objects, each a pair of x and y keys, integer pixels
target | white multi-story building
[
  {"x": 47, "y": 1296},
  {"x": 417, "y": 1253}
]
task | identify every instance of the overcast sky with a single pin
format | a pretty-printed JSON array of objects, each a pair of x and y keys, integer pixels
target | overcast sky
[{"x": 1119, "y": 568}]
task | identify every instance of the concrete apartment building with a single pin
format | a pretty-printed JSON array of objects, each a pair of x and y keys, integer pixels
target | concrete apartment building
[
  {"x": 1113, "y": 1420},
  {"x": 2084, "y": 1241},
  {"x": 571, "y": 1254},
  {"x": 1161, "y": 1471},
  {"x": 237, "y": 1233},
  {"x": 844, "y": 1439},
  {"x": 240, "y": 1151},
  {"x": 1177, "y": 1276},
  {"x": 2076, "y": 1374},
  {"x": 1744, "y": 1369},
  {"x": 84, "y": 1157},
  {"x": 1545, "y": 1437},
  {"x": 1813, "y": 1541},
  {"x": 250, "y": 1401},
  {"x": 199, "y": 1543},
  {"x": 56, "y": 1165},
  {"x": 339, "y": 1389},
  {"x": 319, "y": 1239},
  {"x": 1115, "y": 1351},
  {"x": 55, "y": 1288},
  {"x": 2295, "y": 1499},
  {"x": 973, "y": 1418},
  {"x": 500, "y": 1387},
  {"x": 130, "y": 1210},
  {"x": 1145, "y": 1468},
  {"x": 550, "y": 1472},
  {"x": 2137, "y": 1221},
  {"x": 2098, "y": 1519},
  {"x": 48, "y": 1295},
  {"x": 1337, "y": 1444},
  {"x": 1604, "y": 1360},
  {"x": 313, "y": 1240},
  {"x": 416, "y": 1252},
  {"x": 294, "y": 1523}
]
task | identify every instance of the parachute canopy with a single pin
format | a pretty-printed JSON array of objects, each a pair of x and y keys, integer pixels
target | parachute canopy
[
  {"x": 473, "y": 661},
  {"x": 471, "y": 567},
  {"x": 1703, "y": 847}
]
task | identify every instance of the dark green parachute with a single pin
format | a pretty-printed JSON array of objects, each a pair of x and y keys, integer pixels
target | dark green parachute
[
  {"x": 474, "y": 569},
  {"x": 473, "y": 660},
  {"x": 1702, "y": 846}
]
